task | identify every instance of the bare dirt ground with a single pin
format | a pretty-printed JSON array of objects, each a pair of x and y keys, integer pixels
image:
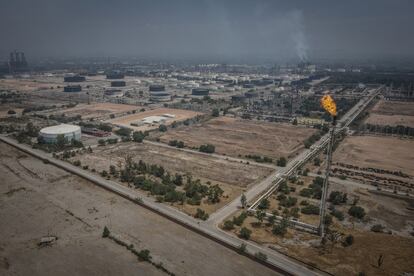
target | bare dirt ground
[
  {"x": 180, "y": 115},
  {"x": 236, "y": 137},
  {"x": 98, "y": 109},
  {"x": 38, "y": 200},
  {"x": 392, "y": 113},
  {"x": 232, "y": 177},
  {"x": 379, "y": 152},
  {"x": 26, "y": 85}
]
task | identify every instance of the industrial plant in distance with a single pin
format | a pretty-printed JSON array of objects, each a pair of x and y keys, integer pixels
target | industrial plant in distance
[{"x": 207, "y": 138}]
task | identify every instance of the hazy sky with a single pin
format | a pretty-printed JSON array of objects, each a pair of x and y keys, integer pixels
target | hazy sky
[{"x": 209, "y": 29}]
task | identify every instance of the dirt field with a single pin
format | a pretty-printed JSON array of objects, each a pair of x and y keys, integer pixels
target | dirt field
[
  {"x": 236, "y": 137},
  {"x": 232, "y": 177},
  {"x": 378, "y": 152},
  {"x": 38, "y": 200},
  {"x": 392, "y": 113},
  {"x": 126, "y": 121},
  {"x": 26, "y": 85},
  {"x": 96, "y": 110}
]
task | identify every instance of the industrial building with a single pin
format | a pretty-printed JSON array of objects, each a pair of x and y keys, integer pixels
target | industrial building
[
  {"x": 118, "y": 83},
  {"x": 74, "y": 78},
  {"x": 69, "y": 132},
  {"x": 200, "y": 92},
  {"x": 115, "y": 75},
  {"x": 72, "y": 88},
  {"x": 17, "y": 62},
  {"x": 158, "y": 94}
]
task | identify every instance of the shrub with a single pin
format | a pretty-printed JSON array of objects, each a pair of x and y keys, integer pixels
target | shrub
[
  {"x": 245, "y": 233},
  {"x": 228, "y": 225},
  {"x": 357, "y": 212},
  {"x": 377, "y": 228},
  {"x": 281, "y": 162},
  {"x": 310, "y": 210},
  {"x": 240, "y": 219},
  {"x": 162, "y": 128},
  {"x": 208, "y": 148},
  {"x": 281, "y": 228},
  {"x": 77, "y": 163},
  {"x": 338, "y": 214},
  {"x": 337, "y": 197},
  {"x": 264, "y": 204},
  {"x": 348, "y": 241},
  {"x": 260, "y": 256},
  {"x": 201, "y": 214},
  {"x": 105, "y": 232},
  {"x": 288, "y": 202}
]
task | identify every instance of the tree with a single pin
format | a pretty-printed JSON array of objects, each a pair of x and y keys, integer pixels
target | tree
[
  {"x": 272, "y": 219},
  {"x": 60, "y": 141},
  {"x": 243, "y": 200},
  {"x": 201, "y": 214},
  {"x": 348, "y": 241},
  {"x": 264, "y": 204},
  {"x": 11, "y": 112},
  {"x": 245, "y": 233},
  {"x": 105, "y": 232},
  {"x": 208, "y": 148},
  {"x": 357, "y": 212},
  {"x": 281, "y": 228},
  {"x": 162, "y": 128},
  {"x": 295, "y": 122},
  {"x": 101, "y": 142},
  {"x": 228, "y": 225},
  {"x": 281, "y": 162},
  {"x": 138, "y": 136},
  {"x": 260, "y": 215},
  {"x": 144, "y": 255},
  {"x": 215, "y": 112},
  {"x": 126, "y": 132}
]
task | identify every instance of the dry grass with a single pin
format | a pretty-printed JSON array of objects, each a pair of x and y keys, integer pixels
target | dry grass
[{"x": 236, "y": 137}]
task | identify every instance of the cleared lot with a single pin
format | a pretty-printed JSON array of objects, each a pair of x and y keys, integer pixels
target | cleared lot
[
  {"x": 96, "y": 110},
  {"x": 388, "y": 153},
  {"x": 236, "y": 137},
  {"x": 392, "y": 113},
  {"x": 180, "y": 115},
  {"x": 39, "y": 199}
]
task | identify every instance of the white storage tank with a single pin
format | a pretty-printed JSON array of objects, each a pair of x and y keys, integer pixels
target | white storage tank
[{"x": 50, "y": 134}]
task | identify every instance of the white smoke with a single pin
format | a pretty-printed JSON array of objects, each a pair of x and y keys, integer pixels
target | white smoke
[{"x": 298, "y": 36}]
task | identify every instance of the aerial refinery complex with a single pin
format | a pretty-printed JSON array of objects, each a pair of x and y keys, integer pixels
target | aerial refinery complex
[{"x": 215, "y": 163}]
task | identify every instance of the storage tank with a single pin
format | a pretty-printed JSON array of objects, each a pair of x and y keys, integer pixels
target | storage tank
[
  {"x": 69, "y": 132},
  {"x": 200, "y": 91}
]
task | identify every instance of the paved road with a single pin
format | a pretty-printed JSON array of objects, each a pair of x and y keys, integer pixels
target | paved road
[{"x": 278, "y": 260}]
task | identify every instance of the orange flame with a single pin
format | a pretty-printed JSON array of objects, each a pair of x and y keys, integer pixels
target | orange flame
[{"x": 329, "y": 105}]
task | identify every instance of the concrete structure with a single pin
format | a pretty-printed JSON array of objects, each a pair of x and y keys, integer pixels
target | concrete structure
[
  {"x": 50, "y": 134},
  {"x": 151, "y": 120}
]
